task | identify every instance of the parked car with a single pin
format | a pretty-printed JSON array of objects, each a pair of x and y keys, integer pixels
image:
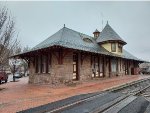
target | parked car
[
  {"x": 3, "y": 77},
  {"x": 18, "y": 75}
]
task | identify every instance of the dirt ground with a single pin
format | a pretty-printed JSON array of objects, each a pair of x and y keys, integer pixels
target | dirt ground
[{"x": 17, "y": 96}]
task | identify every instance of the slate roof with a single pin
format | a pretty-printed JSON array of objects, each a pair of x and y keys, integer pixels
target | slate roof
[
  {"x": 108, "y": 34},
  {"x": 96, "y": 31},
  {"x": 128, "y": 55},
  {"x": 69, "y": 38}
]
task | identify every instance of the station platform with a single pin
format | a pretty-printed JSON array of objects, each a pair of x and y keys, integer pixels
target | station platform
[{"x": 17, "y": 96}]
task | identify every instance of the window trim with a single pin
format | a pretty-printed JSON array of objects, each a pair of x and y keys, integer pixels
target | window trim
[
  {"x": 44, "y": 66},
  {"x": 49, "y": 62},
  {"x": 112, "y": 47},
  {"x": 42, "y": 60},
  {"x": 120, "y": 48}
]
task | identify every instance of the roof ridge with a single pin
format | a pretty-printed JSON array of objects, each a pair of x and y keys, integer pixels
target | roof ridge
[
  {"x": 62, "y": 33},
  {"x": 79, "y": 32}
]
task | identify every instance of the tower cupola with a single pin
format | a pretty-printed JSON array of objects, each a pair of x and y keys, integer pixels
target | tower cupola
[{"x": 96, "y": 34}]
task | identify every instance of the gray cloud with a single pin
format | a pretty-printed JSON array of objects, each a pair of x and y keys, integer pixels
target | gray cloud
[{"x": 38, "y": 20}]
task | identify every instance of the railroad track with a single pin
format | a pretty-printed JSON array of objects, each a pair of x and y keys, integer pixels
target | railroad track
[
  {"x": 130, "y": 97},
  {"x": 100, "y": 102},
  {"x": 131, "y": 91},
  {"x": 145, "y": 93}
]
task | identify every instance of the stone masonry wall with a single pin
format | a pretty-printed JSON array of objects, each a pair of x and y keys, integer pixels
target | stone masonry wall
[
  {"x": 58, "y": 72},
  {"x": 86, "y": 70},
  {"x": 38, "y": 77},
  {"x": 62, "y": 72}
]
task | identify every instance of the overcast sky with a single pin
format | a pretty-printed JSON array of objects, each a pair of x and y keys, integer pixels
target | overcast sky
[{"x": 36, "y": 21}]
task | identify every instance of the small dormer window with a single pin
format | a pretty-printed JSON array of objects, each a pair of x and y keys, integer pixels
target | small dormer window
[
  {"x": 87, "y": 40},
  {"x": 113, "y": 47},
  {"x": 120, "y": 48},
  {"x": 96, "y": 35}
]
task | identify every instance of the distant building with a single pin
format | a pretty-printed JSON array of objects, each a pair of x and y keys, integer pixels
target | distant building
[
  {"x": 145, "y": 68},
  {"x": 69, "y": 55}
]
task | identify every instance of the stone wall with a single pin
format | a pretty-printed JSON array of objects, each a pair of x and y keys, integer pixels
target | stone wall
[
  {"x": 63, "y": 73},
  {"x": 38, "y": 77},
  {"x": 58, "y": 72},
  {"x": 85, "y": 69}
]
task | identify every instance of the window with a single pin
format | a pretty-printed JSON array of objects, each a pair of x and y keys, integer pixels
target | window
[
  {"x": 36, "y": 64},
  {"x": 114, "y": 65},
  {"x": 120, "y": 48},
  {"x": 96, "y": 35},
  {"x": 44, "y": 59},
  {"x": 101, "y": 66},
  {"x": 49, "y": 63},
  {"x": 39, "y": 64},
  {"x": 88, "y": 40},
  {"x": 113, "y": 47},
  {"x": 43, "y": 64}
]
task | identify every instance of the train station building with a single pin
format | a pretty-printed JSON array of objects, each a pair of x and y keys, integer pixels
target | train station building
[{"x": 69, "y": 55}]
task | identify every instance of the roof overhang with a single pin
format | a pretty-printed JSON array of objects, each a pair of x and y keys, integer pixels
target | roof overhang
[
  {"x": 36, "y": 52},
  {"x": 111, "y": 41}
]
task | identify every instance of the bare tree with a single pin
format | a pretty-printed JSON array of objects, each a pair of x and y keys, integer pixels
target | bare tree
[
  {"x": 14, "y": 62},
  {"x": 24, "y": 62},
  {"x": 25, "y": 49},
  {"x": 8, "y": 42}
]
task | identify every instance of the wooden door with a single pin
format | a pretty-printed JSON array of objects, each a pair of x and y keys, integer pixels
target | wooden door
[
  {"x": 75, "y": 67},
  {"x": 95, "y": 66},
  {"x": 101, "y": 67}
]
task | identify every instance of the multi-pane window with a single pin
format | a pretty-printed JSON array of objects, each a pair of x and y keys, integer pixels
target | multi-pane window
[
  {"x": 113, "y": 47},
  {"x": 39, "y": 63},
  {"x": 96, "y": 35},
  {"x": 43, "y": 64},
  {"x": 75, "y": 66},
  {"x": 49, "y": 63},
  {"x": 114, "y": 65},
  {"x": 44, "y": 59},
  {"x": 101, "y": 66},
  {"x": 120, "y": 48}
]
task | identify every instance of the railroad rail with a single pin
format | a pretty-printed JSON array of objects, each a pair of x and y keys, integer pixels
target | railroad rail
[
  {"x": 131, "y": 93},
  {"x": 108, "y": 101}
]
